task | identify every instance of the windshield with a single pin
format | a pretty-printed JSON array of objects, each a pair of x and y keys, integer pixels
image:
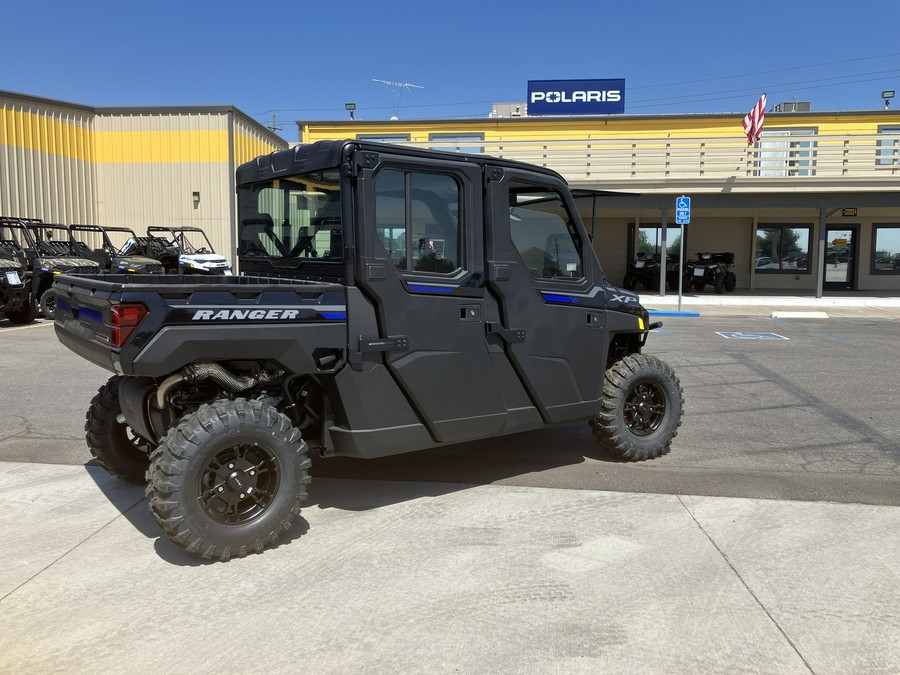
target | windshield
[{"x": 292, "y": 219}]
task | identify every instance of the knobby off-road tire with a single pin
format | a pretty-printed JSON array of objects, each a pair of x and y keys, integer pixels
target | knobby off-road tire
[
  {"x": 730, "y": 282},
  {"x": 228, "y": 479},
  {"x": 22, "y": 316},
  {"x": 48, "y": 304},
  {"x": 641, "y": 410},
  {"x": 629, "y": 282},
  {"x": 114, "y": 444},
  {"x": 699, "y": 285},
  {"x": 719, "y": 283}
]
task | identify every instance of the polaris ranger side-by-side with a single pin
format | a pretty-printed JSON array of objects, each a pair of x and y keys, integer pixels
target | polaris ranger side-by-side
[{"x": 399, "y": 299}]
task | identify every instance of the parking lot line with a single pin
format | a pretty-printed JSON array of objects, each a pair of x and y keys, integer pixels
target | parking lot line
[{"x": 31, "y": 325}]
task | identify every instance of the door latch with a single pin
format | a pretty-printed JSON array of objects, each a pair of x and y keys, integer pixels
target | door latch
[{"x": 508, "y": 335}]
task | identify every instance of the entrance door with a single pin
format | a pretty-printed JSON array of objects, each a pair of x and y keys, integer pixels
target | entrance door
[{"x": 840, "y": 258}]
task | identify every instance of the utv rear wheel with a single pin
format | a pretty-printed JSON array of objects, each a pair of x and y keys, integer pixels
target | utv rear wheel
[
  {"x": 114, "y": 444},
  {"x": 629, "y": 283},
  {"x": 48, "y": 304},
  {"x": 228, "y": 479},
  {"x": 730, "y": 282},
  {"x": 641, "y": 410}
]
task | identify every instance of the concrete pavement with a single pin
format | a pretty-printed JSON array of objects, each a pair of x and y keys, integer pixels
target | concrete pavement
[{"x": 410, "y": 577}]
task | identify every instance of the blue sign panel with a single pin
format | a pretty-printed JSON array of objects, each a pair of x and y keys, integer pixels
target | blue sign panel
[
  {"x": 682, "y": 210},
  {"x": 576, "y": 97}
]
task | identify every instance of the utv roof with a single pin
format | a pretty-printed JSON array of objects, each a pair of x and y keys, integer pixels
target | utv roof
[{"x": 330, "y": 154}]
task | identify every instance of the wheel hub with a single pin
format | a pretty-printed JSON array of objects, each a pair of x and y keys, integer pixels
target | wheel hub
[
  {"x": 239, "y": 483},
  {"x": 645, "y": 408}
]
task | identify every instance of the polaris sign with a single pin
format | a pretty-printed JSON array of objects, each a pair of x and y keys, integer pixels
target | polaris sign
[{"x": 576, "y": 97}]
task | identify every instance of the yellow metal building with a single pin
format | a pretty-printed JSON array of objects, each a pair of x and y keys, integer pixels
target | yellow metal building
[
  {"x": 134, "y": 167},
  {"x": 826, "y": 181}
]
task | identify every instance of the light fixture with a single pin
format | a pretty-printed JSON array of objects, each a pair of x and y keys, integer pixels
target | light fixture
[
  {"x": 887, "y": 96},
  {"x": 196, "y": 199},
  {"x": 351, "y": 108}
]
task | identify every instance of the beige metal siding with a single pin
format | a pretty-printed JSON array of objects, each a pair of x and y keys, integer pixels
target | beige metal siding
[
  {"x": 46, "y": 162},
  {"x": 149, "y": 165}
]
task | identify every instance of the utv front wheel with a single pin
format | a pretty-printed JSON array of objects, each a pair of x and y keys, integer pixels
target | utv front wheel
[
  {"x": 48, "y": 304},
  {"x": 26, "y": 314},
  {"x": 114, "y": 444},
  {"x": 641, "y": 409},
  {"x": 228, "y": 479}
]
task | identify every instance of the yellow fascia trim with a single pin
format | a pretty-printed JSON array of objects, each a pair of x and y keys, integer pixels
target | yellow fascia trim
[
  {"x": 39, "y": 133},
  {"x": 157, "y": 147}
]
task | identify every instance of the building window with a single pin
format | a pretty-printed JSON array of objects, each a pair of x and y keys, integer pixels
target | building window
[
  {"x": 417, "y": 220},
  {"x": 786, "y": 152},
  {"x": 541, "y": 229},
  {"x": 887, "y": 148},
  {"x": 886, "y": 249},
  {"x": 464, "y": 143},
  {"x": 383, "y": 138},
  {"x": 650, "y": 239},
  {"x": 782, "y": 249}
]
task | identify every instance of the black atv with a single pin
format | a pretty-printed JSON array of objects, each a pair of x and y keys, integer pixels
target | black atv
[
  {"x": 713, "y": 269},
  {"x": 645, "y": 271}
]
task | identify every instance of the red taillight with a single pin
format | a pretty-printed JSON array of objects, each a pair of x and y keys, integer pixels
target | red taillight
[{"x": 125, "y": 318}]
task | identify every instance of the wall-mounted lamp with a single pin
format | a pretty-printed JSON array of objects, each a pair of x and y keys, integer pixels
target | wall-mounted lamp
[
  {"x": 887, "y": 96},
  {"x": 351, "y": 108},
  {"x": 195, "y": 197}
]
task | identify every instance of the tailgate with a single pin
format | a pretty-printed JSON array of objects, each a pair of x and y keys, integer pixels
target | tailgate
[{"x": 83, "y": 317}]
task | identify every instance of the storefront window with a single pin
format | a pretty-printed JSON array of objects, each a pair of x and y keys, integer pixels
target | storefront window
[
  {"x": 782, "y": 248},
  {"x": 886, "y": 254}
]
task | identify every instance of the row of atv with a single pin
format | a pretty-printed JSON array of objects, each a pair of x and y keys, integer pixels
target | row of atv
[
  {"x": 709, "y": 269},
  {"x": 33, "y": 252}
]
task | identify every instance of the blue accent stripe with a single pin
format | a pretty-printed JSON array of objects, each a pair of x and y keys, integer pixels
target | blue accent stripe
[
  {"x": 91, "y": 314},
  {"x": 563, "y": 299},
  {"x": 419, "y": 288},
  {"x": 63, "y": 305},
  {"x": 336, "y": 316}
]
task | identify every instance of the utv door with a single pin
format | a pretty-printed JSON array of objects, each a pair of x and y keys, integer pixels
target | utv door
[
  {"x": 421, "y": 264},
  {"x": 547, "y": 284}
]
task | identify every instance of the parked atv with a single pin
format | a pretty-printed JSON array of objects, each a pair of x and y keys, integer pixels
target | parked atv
[
  {"x": 645, "y": 270},
  {"x": 714, "y": 269},
  {"x": 16, "y": 303},
  {"x": 94, "y": 242}
]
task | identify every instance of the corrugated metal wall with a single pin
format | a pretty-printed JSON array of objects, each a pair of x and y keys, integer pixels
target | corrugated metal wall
[
  {"x": 250, "y": 141},
  {"x": 150, "y": 166},
  {"x": 68, "y": 163},
  {"x": 46, "y": 161}
]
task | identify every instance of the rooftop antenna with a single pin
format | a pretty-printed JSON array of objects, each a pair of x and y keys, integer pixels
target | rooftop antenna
[
  {"x": 394, "y": 88},
  {"x": 274, "y": 126}
]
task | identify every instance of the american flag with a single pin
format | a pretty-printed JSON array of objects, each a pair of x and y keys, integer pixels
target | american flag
[{"x": 753, "y": 122}]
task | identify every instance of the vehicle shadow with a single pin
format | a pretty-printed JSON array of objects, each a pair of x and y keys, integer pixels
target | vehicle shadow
[
  {"x": 360, "y": 485},
  {"x": 477, "y": 462}
]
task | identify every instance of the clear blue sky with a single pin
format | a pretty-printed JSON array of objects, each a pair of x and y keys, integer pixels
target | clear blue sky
[{"x": 305, "y": 60}]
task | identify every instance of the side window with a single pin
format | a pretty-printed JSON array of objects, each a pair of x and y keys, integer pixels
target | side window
[
  {"x": 417, "y": 220},
  {"x": 542, "y": 230}
]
